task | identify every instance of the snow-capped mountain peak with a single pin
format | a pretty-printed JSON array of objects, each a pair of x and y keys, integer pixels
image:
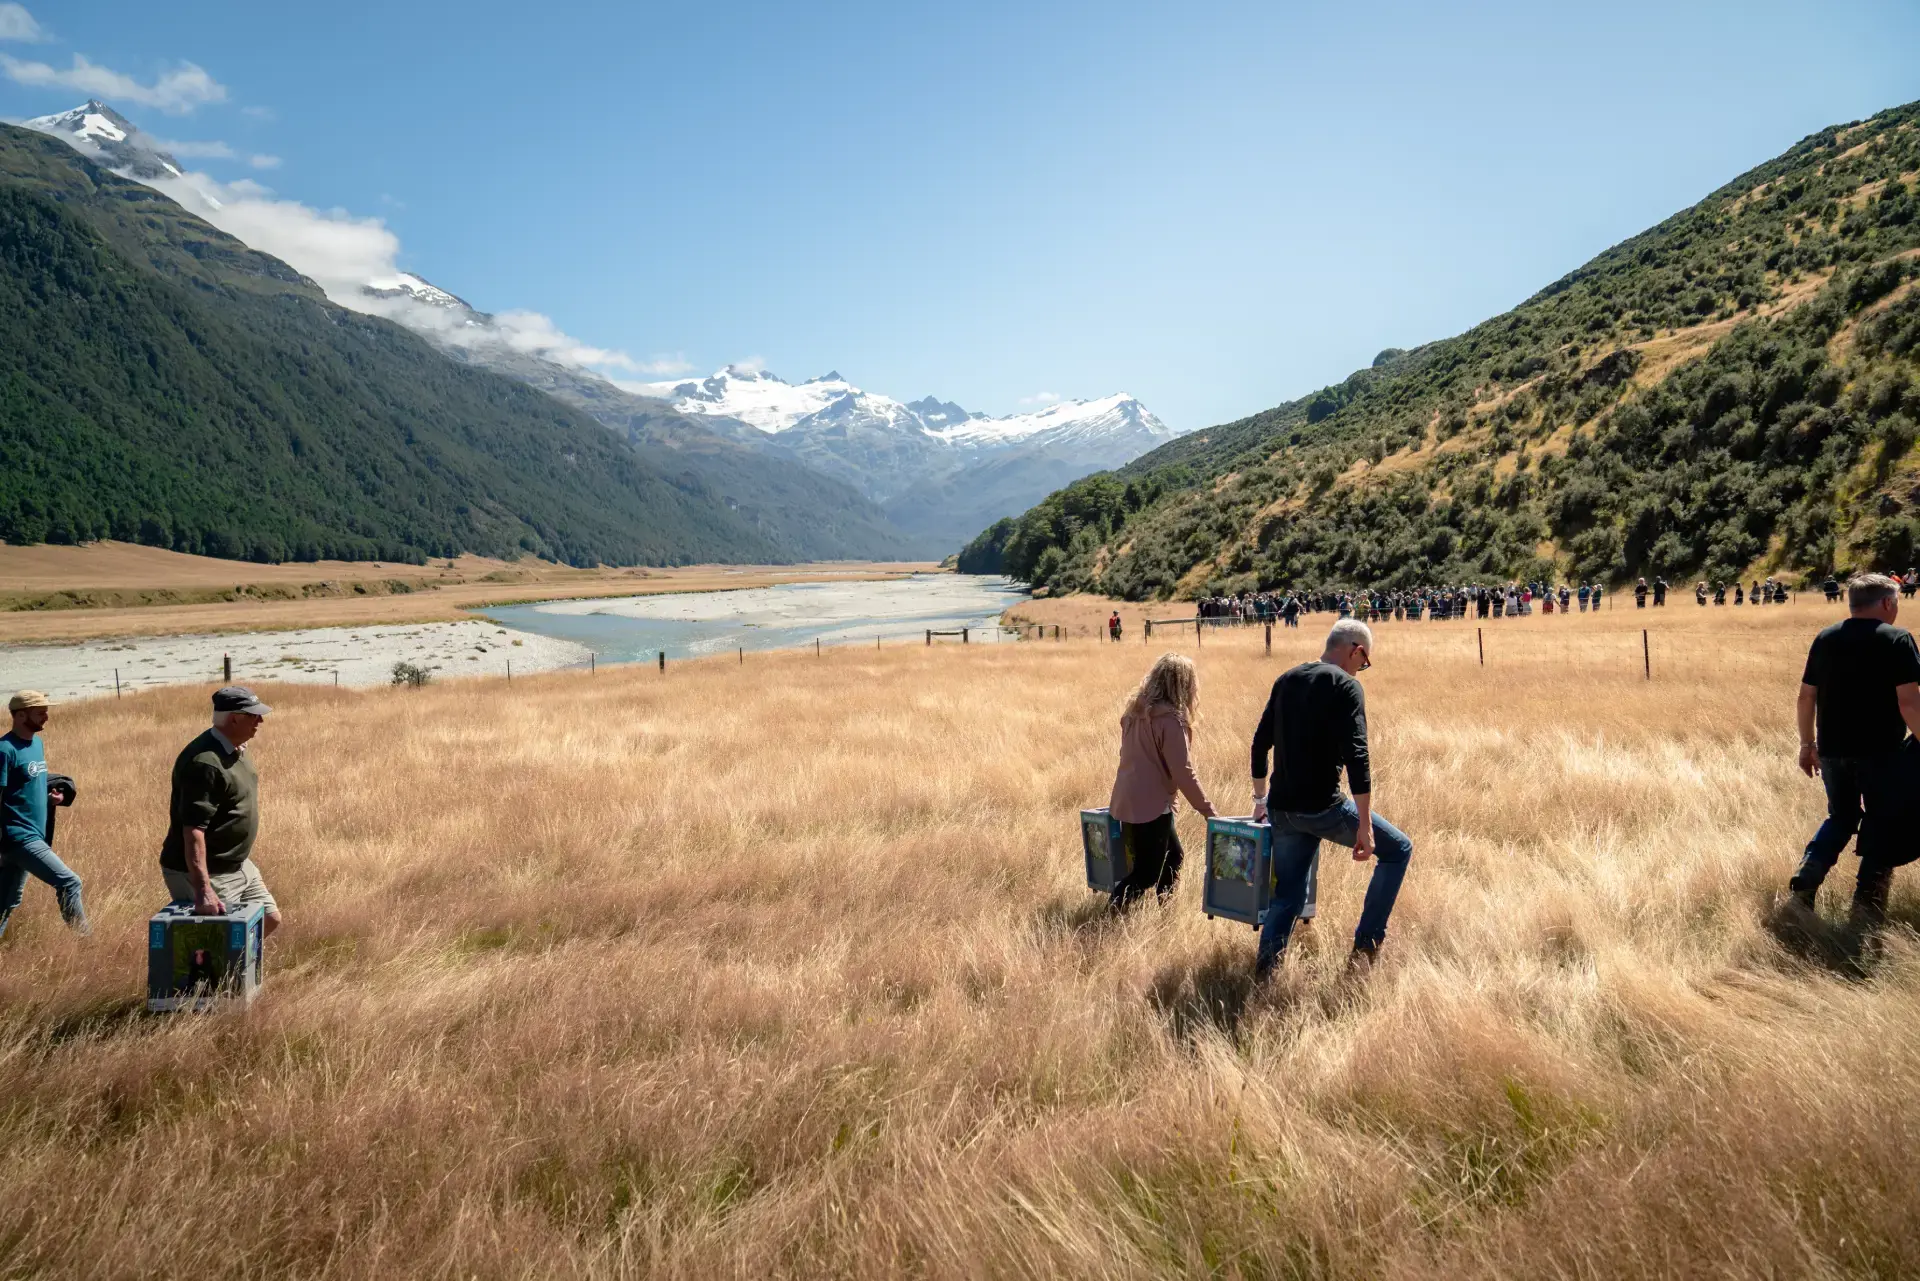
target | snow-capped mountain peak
[
  {"x": 1082, "y": 421},
  {"x": 100, "y": 133},
  {"x": 765, "y": 401}
]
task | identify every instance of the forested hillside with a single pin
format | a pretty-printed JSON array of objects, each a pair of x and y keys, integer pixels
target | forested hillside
[
  {"x": 162, "y": 383},
  {"x": 1735, "y": 390}
]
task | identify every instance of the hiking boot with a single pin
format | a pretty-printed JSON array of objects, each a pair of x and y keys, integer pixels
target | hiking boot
[
  {"x": 1795, "y": 908},
  {"x": 1362, "y": 959}
]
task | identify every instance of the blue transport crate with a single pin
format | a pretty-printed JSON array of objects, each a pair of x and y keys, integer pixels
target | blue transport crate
[
  {"x": 1107, "y": 859},
  {"x": 1239, "y": 881},
  {"x": 204, "y": 962}
]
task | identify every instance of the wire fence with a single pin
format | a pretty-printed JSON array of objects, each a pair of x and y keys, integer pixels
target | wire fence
[{"x": 1492, "y": 642}]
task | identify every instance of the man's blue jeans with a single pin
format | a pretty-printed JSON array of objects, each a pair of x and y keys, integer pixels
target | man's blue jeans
[
  {"x": 22, "y": 858},
  {"x": 1296, "y": 844},
  {"x": 1859, "y": 799}
]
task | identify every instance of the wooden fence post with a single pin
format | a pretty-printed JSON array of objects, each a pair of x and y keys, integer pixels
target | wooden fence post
[
  {"x": 663, "y": 660},
  {"x": 963, "y": 635},
  {"x": 116, "y": 681},
  {"x": 1480, "y": 636},
  {"x": 929, "y": 638},
  {"x": 226, "y": 666},
  {"x": 1269, "y": 640},
  {"x": 1149, "y": 631},
  {"x": 1646, "y": 653}
]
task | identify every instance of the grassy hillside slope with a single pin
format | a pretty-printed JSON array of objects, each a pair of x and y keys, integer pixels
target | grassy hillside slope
[
  {"x": 162, "y": 383},
  {"x": 1734, "y": 390}
]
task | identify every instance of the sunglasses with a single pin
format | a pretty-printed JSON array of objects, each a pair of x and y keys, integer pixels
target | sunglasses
[{"x": 1365, "y": 660}]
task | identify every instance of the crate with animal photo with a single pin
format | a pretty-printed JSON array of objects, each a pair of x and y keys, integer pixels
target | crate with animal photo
[
  {"x": 204, "y": 962},
  {"x": 1239, "y": 879},
  {"x": 1106, "y": 851}
]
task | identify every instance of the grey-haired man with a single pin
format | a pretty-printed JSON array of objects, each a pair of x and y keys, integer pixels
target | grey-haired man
[
  {"x": 1859, "y": 697},
  {"x": 214, "y": 814},
  {"x": 1315, "y": 725}
]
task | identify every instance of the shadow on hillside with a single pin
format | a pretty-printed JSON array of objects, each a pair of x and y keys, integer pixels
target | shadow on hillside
[
  {"x": 1211, "y": 994},
  {"x": 99, "y": 1020},
  {"x": 1842, "y": 947},
  {"x": 1085, "y": 916}
]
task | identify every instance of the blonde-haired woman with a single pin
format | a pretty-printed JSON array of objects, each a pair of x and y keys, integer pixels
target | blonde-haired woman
[{"x": 1156, "y": 733}]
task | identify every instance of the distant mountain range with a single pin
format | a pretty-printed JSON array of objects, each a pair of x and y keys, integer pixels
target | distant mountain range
[
  {"x": 937, "y": 470},
  {"x": 824, "y": 468}
]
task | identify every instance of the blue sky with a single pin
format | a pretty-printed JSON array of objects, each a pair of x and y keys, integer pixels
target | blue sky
[{"x": 1217, "y": 207}]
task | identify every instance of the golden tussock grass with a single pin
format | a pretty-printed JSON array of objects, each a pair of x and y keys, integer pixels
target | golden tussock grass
[{"x": 789, "y": 969}]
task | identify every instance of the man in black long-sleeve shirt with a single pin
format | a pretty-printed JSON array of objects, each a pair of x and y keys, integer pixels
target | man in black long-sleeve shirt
[{"x": 1315, "y": 725}]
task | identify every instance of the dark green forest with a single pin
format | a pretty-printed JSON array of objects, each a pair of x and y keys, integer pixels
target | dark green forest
[
  {"x": 1734, "y": 389},
  {"x": 163, "y": 384}
]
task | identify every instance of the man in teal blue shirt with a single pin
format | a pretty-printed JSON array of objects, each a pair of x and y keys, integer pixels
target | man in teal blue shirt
[{"x": 23, "y": 815}]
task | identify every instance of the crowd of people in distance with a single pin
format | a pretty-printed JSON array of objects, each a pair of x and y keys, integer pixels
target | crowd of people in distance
[
  {"x": 1858, "y": 716},
  {"x": 1770, "y": 592},
  {"x": 1434, "y": 604}
]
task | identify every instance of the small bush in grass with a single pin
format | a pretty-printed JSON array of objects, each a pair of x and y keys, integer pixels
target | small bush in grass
[{"x": 412, "y": 674}]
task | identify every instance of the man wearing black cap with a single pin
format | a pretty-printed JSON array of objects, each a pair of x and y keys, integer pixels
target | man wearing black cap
[
  {"x": 26, "y": 822},
  {"x": 215, "y": 814}
]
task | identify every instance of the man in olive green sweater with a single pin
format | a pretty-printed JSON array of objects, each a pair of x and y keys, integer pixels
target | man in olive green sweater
[{"x": 214, "y": 814}]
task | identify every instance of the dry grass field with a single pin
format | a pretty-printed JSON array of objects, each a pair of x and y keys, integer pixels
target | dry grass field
[
  {"x": 788, "y": 969},
  {"x": 50, "y": 593}
]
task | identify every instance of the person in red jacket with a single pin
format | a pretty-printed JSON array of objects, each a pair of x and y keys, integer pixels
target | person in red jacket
[{"x": 1156, "y": 769}]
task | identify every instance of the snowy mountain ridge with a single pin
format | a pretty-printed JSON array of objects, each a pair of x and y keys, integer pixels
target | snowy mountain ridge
[{"x": 765, "y": 401}]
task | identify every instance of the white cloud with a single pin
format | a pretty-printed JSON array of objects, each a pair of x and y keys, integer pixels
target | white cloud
[
  {"x": 177, "y": 92},
  {"x": 751, "y": 365},
  {"x": 667, "y": 366},
  {"x": 197, "y": 150},
  {"x": 1041, "y": 398},
  {"x": 215, "y": 151},
  {"x": 532, "y": 334},
  {"x": 17, "y": 24},
  {"x": 342, "y": 252}
]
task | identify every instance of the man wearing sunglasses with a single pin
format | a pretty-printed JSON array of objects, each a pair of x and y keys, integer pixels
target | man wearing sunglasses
[{"x": 1315, "y": 725}]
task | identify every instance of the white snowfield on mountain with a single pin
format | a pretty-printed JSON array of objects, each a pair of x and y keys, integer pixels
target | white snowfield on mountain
[
  {"x": 771, "y": 404},
  {"x": 413, "y": 286}
]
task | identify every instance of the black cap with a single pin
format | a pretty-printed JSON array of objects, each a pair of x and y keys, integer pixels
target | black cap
[{"x": 238, "y": 698}]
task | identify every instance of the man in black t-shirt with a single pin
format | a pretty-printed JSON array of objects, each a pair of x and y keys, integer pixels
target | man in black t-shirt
[
  {"x": 1858, "y": 698},
  {"x": 1315, "y": 725}
]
